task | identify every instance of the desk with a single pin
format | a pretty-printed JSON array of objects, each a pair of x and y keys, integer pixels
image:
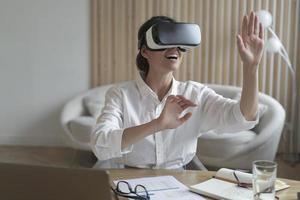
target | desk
[{"x": 191, "y": 177}]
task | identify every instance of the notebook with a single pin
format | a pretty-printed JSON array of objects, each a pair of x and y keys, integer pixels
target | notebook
[
  {"x": 224, "y": 185},
  {"x": 19, "y": 182}
]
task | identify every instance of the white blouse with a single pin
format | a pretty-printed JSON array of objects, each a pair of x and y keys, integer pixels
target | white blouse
[{"x": 134, "y": 103}]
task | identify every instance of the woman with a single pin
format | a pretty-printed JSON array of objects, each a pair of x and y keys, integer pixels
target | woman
[{"x": 154, "y": 122}]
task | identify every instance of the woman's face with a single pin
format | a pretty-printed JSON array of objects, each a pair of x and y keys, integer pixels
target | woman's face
[{"x": 163, "y": 61}]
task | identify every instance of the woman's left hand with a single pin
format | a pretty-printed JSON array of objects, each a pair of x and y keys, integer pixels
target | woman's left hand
[{"x": 250, "y": 43}]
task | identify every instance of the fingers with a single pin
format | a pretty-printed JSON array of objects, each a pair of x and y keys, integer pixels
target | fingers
[
  {"x": 240, "y": 43},
  {"x": 186, "y": 106},
  {"x": 171, "y": 98},
  {"x": 181, "y": 101},
  {"x": 185, "y": 117},
  {"x": 251, "y": 24},
  {"x": 185, "y": 103},
  {"x": 245, "y": 27}
]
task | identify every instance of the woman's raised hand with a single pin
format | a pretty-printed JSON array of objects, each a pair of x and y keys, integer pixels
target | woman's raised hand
[
  {"x": 170, "y": 116},
  {"x": 250, "y": 43}
]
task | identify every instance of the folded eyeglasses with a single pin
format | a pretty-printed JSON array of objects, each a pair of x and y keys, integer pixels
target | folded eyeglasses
[{"x": 124, "y": 189}]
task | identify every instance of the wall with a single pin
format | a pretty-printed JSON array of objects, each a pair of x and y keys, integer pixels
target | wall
[{"x": 44, "y": 61}]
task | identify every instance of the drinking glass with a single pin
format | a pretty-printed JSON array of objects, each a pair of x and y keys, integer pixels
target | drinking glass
[{"x": 264, "y": 177}]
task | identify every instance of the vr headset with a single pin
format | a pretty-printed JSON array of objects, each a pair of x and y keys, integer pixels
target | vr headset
[{"x": 165, "y": 35}]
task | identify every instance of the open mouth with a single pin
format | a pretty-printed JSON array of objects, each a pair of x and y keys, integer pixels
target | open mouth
[{"x": 172, "y": 57}]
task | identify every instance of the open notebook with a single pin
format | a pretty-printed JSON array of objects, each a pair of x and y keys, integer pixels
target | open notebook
[{"x": 224, "y": 185}]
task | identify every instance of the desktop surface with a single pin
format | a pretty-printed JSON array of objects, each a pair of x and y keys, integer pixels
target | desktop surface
[{"x": 191, "y": 177}]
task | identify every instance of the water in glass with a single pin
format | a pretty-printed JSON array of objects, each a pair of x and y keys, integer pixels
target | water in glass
[{"x": 264, "y": 177}]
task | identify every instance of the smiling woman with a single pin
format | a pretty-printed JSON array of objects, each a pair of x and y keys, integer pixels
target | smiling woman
[
  {"x": 216, "y": 61},
  {"x": 155, "y": 121}
]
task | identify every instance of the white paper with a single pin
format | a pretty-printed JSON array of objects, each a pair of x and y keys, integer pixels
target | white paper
[
  {"x": 243, "y": 177},
  {"x": 164, "y": 187},
  {"x": 222, "y": 190},
  {"x": 228, "y": 174}
]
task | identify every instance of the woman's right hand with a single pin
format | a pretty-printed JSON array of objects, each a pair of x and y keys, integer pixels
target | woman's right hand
[
  {"x": 168, "y": 119},
  {"x": 170, "y": 116}
]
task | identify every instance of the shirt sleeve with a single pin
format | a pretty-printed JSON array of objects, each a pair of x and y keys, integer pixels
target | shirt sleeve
[
  {"x": 221, "y": 114},
  {"x": 106, "y": 137}
]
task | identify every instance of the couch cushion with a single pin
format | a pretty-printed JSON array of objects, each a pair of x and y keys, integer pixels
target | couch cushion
[
  {"x": 81, "y": 128},
  {"x": 212, "y": 144}
]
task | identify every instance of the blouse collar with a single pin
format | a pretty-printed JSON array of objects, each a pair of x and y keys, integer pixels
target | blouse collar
[{"x": 145, "y": 90}]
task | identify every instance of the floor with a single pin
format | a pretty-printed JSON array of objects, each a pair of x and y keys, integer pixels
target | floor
[{"x": 67, "y": 157}]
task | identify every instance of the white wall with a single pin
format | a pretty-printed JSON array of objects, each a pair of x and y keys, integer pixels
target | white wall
[{"x": 44, "y": 61}]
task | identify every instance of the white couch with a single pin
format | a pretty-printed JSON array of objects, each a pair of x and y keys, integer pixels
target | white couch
[
  {"x": 239, "y": 150},
  {"x": 233, "y": 150}
]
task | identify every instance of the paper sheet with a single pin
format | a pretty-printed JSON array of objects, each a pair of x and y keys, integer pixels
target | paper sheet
[
  {"x": 222, "y": 190},
  {"x": 227, "y": 174},
  {"x": 164, "y": 187}
]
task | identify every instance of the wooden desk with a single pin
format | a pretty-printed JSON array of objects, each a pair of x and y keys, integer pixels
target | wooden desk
[{"x": 190, "y": 177}]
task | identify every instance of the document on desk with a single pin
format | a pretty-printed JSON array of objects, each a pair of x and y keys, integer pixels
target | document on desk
[{"x": 164, "y": 187}]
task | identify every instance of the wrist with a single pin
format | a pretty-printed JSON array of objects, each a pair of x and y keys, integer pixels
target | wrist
[
  {"x": 158, "y": 125},
  {"x": 250, "y": 70}
]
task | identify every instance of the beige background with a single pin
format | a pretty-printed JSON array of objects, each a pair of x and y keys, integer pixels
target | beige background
[{"x": 116, "y": 22}]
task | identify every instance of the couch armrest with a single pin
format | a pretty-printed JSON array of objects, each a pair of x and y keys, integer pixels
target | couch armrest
[
  {"x": 80, "y": 130},
  {"x": 72, "y": 110}
]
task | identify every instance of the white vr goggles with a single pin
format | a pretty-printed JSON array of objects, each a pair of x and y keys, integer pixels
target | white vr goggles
[{"x": 165, "y": 35}]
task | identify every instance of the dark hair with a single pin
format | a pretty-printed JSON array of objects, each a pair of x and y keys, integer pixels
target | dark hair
[{"x": 141, "y": 62}]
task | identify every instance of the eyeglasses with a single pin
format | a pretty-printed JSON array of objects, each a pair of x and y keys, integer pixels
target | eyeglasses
[{"x": 124, "y": 189}]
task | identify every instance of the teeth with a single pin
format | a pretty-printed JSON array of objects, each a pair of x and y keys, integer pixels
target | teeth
[{"x": 172, "y": 57}]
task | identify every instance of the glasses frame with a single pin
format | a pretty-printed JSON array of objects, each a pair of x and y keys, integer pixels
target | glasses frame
[{"x": 131, "y": 192}]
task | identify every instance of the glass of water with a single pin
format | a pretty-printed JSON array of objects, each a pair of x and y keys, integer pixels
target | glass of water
[{"x": 264, "y": 177}]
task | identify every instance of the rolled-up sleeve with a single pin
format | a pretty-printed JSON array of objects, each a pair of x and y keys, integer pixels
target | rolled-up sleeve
[
  {"x": 222, "y": 114},
  {"x": 106, "y": 137}
]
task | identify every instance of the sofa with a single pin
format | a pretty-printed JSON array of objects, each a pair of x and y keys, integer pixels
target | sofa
[
  {"x": 239, "y": 150},
  {"x": 215, "y": 150}
]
